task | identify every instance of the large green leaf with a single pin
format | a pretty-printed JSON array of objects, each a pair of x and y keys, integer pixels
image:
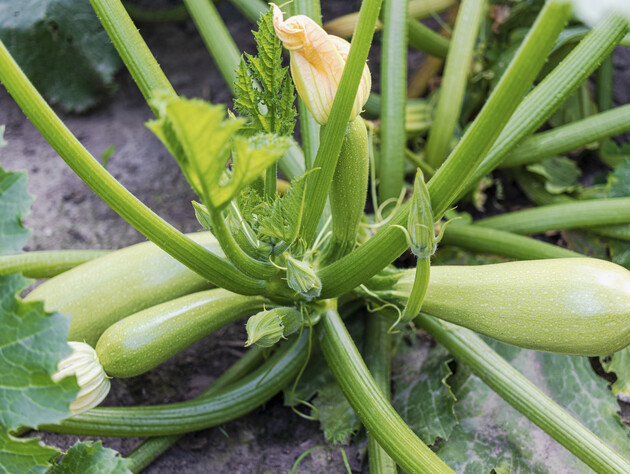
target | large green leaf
[
  {"x": 92, "y": 458},
  {"x": 423, "y": 396},
  {"x": 62, "y": 48},
  {"x": 15, "y": 201},
  {"x": 493, "y": 435},
  {"x": 561, "y": 174},
  {"x": 202, "y": 141},
  {"x": 32, "y": 342},
  {"x": 24, "y": 455}
]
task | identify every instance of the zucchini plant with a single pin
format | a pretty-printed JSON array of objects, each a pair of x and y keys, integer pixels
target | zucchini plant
[{"x": 314, "y": 271}]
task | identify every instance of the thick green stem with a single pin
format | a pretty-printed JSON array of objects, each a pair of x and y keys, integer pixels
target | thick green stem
[
  {"x": 332, "y": 137},
  {"x": 152, "y": 448},
  {"x": 377, "y": 349},
  {"x": 371, "y": 406},
  {"x": 571, "y": 215},
  {"x": 48, "y": 263},
  {"x": 132, "y": 49},
  {"x": 446, "y": 184},
  {"x": 309, "y": 128},
  {"x": 418, "y": 290},
  {"x": 424, "y": 39},
  {"x": 553, "y": 91},
  {"x": 454, "y": 81},
  {"x": 217, "y": 38},
  {"x": 165, "y": 236},
  {"x": 570, "y": 137},
  {"x": 242, "y": 261},
  {"x": 394, "y": 94},
  {"x": 523, "y": 395},
  {"x": 497, "y": 242},
  {"x": 227, "y": 404}
]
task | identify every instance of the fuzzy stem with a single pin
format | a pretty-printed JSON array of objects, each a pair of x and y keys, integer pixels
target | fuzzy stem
[
  {"x": 523, "y": 395},
  {"x": 454, "y": 81},
  {"x": 377, "y": 350},
  {"x": 368, "y": 401},
  {"x": 48, "y": 263},
  {"x": 393, "y": 89},
  {"x": 227, "y": 404},
  {"x": 571, "y": 215},
  {"x": 152, "y": 448},
  {"x": 114, "y": 194},
  {"x": 332, "y": 137}
]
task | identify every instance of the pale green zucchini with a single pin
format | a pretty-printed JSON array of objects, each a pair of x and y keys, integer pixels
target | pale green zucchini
[
  {"x": 144, "y": 340},
  {"x": 578, "y": 306},
  {"x": 102, "y": 291}
]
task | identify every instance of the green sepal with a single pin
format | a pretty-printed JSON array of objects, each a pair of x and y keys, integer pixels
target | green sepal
[{"x": 266, "y": 328}]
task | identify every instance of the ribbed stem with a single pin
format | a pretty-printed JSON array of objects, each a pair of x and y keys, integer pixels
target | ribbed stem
[
  {"x": 48, "y": 263},
  {"x": 217, "y": 38},
  {"x": 418, "y": 290},
  {"x": 570, "y": 137},
  {"x": 371, "y": 406},
  {"x": 571, "y": 215},
  {"x": 227, "y": 404},
  {"x": 332, "y": 137},
  {"x": 523, "y": 395},
  {"x": 150, "y": 449},
  {"x": 394, "y": 95},
  {"x": 114, "y": 194},
  {"x": 424, "y": 39},
  {"x": 497, "y": 242},
  {"x": 377, "y": 350},
  {"x": 454, "y": 81}
]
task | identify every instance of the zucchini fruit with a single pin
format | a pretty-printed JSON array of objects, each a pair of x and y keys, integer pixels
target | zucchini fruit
[
  {"x": 144, "y": 340},
  {"x": 577, "y": 306},
  {"x": 102, "y": 291}
]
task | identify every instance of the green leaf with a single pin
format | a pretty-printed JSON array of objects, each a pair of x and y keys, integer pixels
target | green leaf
[
  {"x": 202, "y": 141},
  {"x": 614, "y": 155},
  {"x": 62, "y": 48},
  {"x": 619, "y": 364},
  {"x": 25, "y": 455},
  {"x": 493, "y": 435},
  {"x": 618, "y": 182},
  {"x": 15, "y": 201},
  {"x": 264, "y": 92},
  {"x": 423, "y": 396},
  {"x": 285, "y": 214},
  {"x": 92, "y": 458},
  {"x": 561, "y": 174},
  {"x": 586, "y": 243},
  {"x": 32, "y": 342}
]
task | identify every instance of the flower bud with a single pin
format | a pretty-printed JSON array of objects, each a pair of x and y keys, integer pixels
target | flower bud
[
  {"x": 93, "y": 381},
  {"x": 317, "y": 63},
  {"x": 420, "y": 224},
  {"x": 267, "y": 327},
  {"x": 302, "y": 278}
]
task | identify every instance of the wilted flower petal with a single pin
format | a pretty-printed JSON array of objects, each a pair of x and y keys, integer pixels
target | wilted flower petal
[
  {"x": 317, "y": 63},
  {"x": 93, "y": 381}
]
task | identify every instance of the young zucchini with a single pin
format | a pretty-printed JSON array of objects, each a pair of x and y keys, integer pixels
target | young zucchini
[
  {"x": 578, "y": 306},
  {"x": 144, "y": 340},
  {"x": 102, "y": 291}
]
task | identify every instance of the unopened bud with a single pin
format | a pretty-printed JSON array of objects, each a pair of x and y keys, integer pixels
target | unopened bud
[
  {"x": 302, "y": 278},
  {"x": 267, "y": 327}
]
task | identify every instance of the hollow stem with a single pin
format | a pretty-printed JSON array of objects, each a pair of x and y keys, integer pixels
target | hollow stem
[
  {"x": 523, "y": 395},
  {"x": 393, "y": 90},
  {"x": 150, "y": 449},
  {"x": 377, "y": 350},
  {"x": 424, "y": 39},
  {"x": 114, "y": 194},
  {"x": 454, "y": 80},
  {"x": 371, "y": 406},
  {"x": 216, "y": 37},
  {"x": 497, "y": 242},
  {"x": 332, "y": 137},
  {"x": 47, "y": 263},
  {"x": 570, "y": 215},
  {"x": 227, "y": 404}
]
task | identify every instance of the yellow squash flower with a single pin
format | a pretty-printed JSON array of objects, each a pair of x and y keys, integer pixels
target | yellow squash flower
[{"x": 317, "y": 62}]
